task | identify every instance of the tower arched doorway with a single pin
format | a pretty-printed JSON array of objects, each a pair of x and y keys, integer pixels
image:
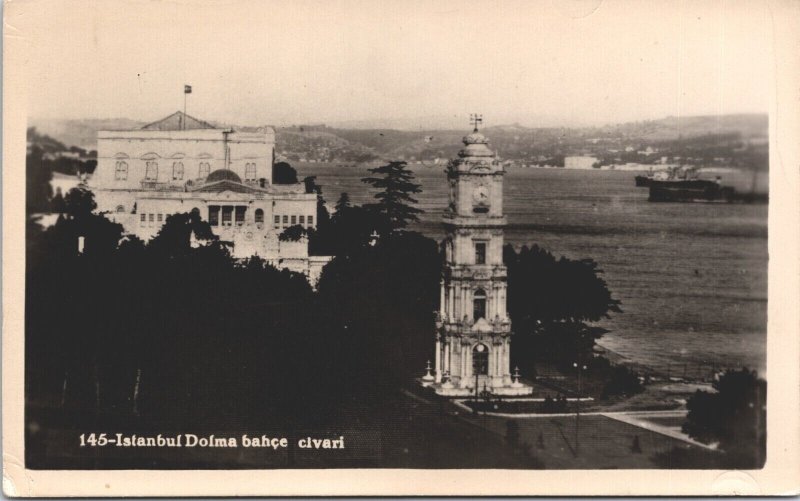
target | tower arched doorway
[
  {"x": 480, "y": 368},
  {"x": 480, "y": 360}
]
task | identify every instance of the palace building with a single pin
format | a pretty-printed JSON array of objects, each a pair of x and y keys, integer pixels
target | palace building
[
  {"x": 180, "y": 164},
  {"x": 473, "y": 338}
]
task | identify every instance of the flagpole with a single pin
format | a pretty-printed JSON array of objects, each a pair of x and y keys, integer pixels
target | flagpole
[{"x": 184, "y": 108}]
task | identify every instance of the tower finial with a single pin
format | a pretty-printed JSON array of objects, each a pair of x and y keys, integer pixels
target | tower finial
[{"x": 475, "y": 119}]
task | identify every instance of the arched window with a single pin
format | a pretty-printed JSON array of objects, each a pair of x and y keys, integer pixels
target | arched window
[
  {"x": 259, "y": 216},
  {"x": 205, "y": 168},
  {"x": 479, "y": 304},
  {"x": 120, "y": 208},
  {"x": 177, "y": 171},
  {"x": 250, "y": 172},
  {"x": 151, "y": 171},
  {"x": 480, "y": 359},
  {"x": 121, "y": 172}
]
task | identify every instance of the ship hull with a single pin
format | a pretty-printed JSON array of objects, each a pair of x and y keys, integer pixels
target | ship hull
[{"x": 695, "y": 190}]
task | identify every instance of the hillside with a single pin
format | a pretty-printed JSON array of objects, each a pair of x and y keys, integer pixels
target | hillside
[
  {"x": 724, "y": 139},
  {"x": 82, "y": 133}
]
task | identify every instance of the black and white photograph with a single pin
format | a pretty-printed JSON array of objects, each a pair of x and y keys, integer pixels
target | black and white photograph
[{"x": 428, "y": 236}]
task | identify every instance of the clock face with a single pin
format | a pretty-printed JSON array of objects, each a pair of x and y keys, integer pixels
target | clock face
[{"x": 481, "y": 195}]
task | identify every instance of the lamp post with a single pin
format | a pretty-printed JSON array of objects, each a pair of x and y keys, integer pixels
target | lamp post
[{"x": 579, "y": 368}]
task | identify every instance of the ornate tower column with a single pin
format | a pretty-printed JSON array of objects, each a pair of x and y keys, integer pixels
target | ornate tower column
[{"x": 472, "y": 315}]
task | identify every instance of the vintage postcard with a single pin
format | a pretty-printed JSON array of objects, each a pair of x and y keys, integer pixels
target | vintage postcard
[{"x": 484, "y": 247}]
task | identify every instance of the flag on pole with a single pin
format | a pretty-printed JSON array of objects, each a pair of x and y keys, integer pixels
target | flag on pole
[{"x": 187, "y": 89}]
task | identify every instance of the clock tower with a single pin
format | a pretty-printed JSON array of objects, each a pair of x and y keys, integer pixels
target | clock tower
[{"x": 473, "y": 338}]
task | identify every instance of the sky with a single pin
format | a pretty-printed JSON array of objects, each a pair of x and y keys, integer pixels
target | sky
[{"x": 405, "y": 63}]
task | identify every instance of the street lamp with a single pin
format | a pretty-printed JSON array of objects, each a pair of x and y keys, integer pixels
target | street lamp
[
  {"x": 578, "y": 403},
  {"x": 476, "y": 370}
]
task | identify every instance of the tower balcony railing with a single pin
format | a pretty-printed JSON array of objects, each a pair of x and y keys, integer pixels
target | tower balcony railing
[
  {"x": 449, "y": 327},
  {"x": 473, "y": 219},
  {"x": 477, "y": 271}
]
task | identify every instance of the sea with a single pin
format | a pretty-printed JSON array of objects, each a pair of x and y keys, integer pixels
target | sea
[{"x": 692, "y": 277}]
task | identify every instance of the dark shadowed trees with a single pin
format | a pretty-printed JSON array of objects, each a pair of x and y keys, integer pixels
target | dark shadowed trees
[
  {"x": 283, "y": 173},
  {"x": 181, "y": 233},
  {"x": 379, "y": 300},
  {"x": 293, "y": 233},
  {"x": 550, "y": 302},
  {"x": 735, "y": 416},
  {"x": 39, "y": 175}
]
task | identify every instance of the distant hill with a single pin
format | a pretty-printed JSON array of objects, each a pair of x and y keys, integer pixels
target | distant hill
[
  {"x": 702, "y": 136},
  {"x": 82, "y": 132}
]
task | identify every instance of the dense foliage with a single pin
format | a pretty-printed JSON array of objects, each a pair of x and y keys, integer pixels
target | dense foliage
[
  {"x": 176, "y": 331},
  {"x": 550, "y": 302},
  {"x": 283, "y": 173},
  {"x": 734, "y": 416},
  {"x": 395, "y": 195}
]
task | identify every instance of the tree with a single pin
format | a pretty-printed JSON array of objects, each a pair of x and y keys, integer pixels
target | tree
[
  {"x": 293, "y": 233},
  {"x": 79, "y": 202},
  {"x": 57, "y": 204},
  {"x": 395, "y": 201},
  {"x": 318, "y": 242},
  {"x": 621, "y": 381},
  {"x": 735, "y": 416},
  {"x": 283, "y": 173},
  {"x": 550, "y": 302},
  {"x": 39, "y": 174},
  {"x": 180, "y": 233},
  {"x": 381, "y": 308},
  {"x": 544, "y": 289},
  {"x": 342, "y": 204}
]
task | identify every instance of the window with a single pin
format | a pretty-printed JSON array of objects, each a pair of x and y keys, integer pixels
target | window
[
  {"x": 213, "y": 215},
  {"x": 159, "y": 217},
  {"x": 121, "y": 172},
  {"x": 205, "y": 168},
  {"x": 250, "y": 172},
  {"x": 142, "y": 219},
  {"x": 239, "y": 215},
  {"x": 177, "y": 171},
  {"x": 285, "y": 221},
  {"x": 277, "y": 220},
  {"x": 227, "y": 212},
  {"x": 311, "y": 220},
  {"x": 120, "y": 208},
  {"x": 302, "y": 220},
  {"x": 478, "y": 305},
  {"x": 294, "y": 220},
  {"x": 151, "y": 171},
  {"x": 151, "y": 217},
  {"x": 480, "y": 253},
  {"x": 259, "y": 216}
]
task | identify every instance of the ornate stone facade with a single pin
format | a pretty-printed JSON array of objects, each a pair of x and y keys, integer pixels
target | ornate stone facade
[
  {"x": 179, "y": 164},
  {"x": 473, "y": 339}
]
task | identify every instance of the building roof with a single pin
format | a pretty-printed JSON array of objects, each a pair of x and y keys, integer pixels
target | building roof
[
  {"x": 223, "y": 175},
  {"x": 178, "y": 121}
]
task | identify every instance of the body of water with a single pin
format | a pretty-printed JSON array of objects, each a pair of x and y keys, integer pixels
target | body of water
[{"x": 692, "y": 278}]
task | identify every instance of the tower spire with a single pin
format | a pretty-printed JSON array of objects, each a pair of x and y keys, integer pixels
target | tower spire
[{"x": 475, "y": 120}]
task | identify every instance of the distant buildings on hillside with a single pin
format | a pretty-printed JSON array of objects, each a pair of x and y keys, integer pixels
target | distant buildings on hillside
[{"x": 581, "y": 162}]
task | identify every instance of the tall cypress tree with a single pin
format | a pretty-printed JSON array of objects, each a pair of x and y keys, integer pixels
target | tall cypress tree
[{"x": 395, "y": 201}]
